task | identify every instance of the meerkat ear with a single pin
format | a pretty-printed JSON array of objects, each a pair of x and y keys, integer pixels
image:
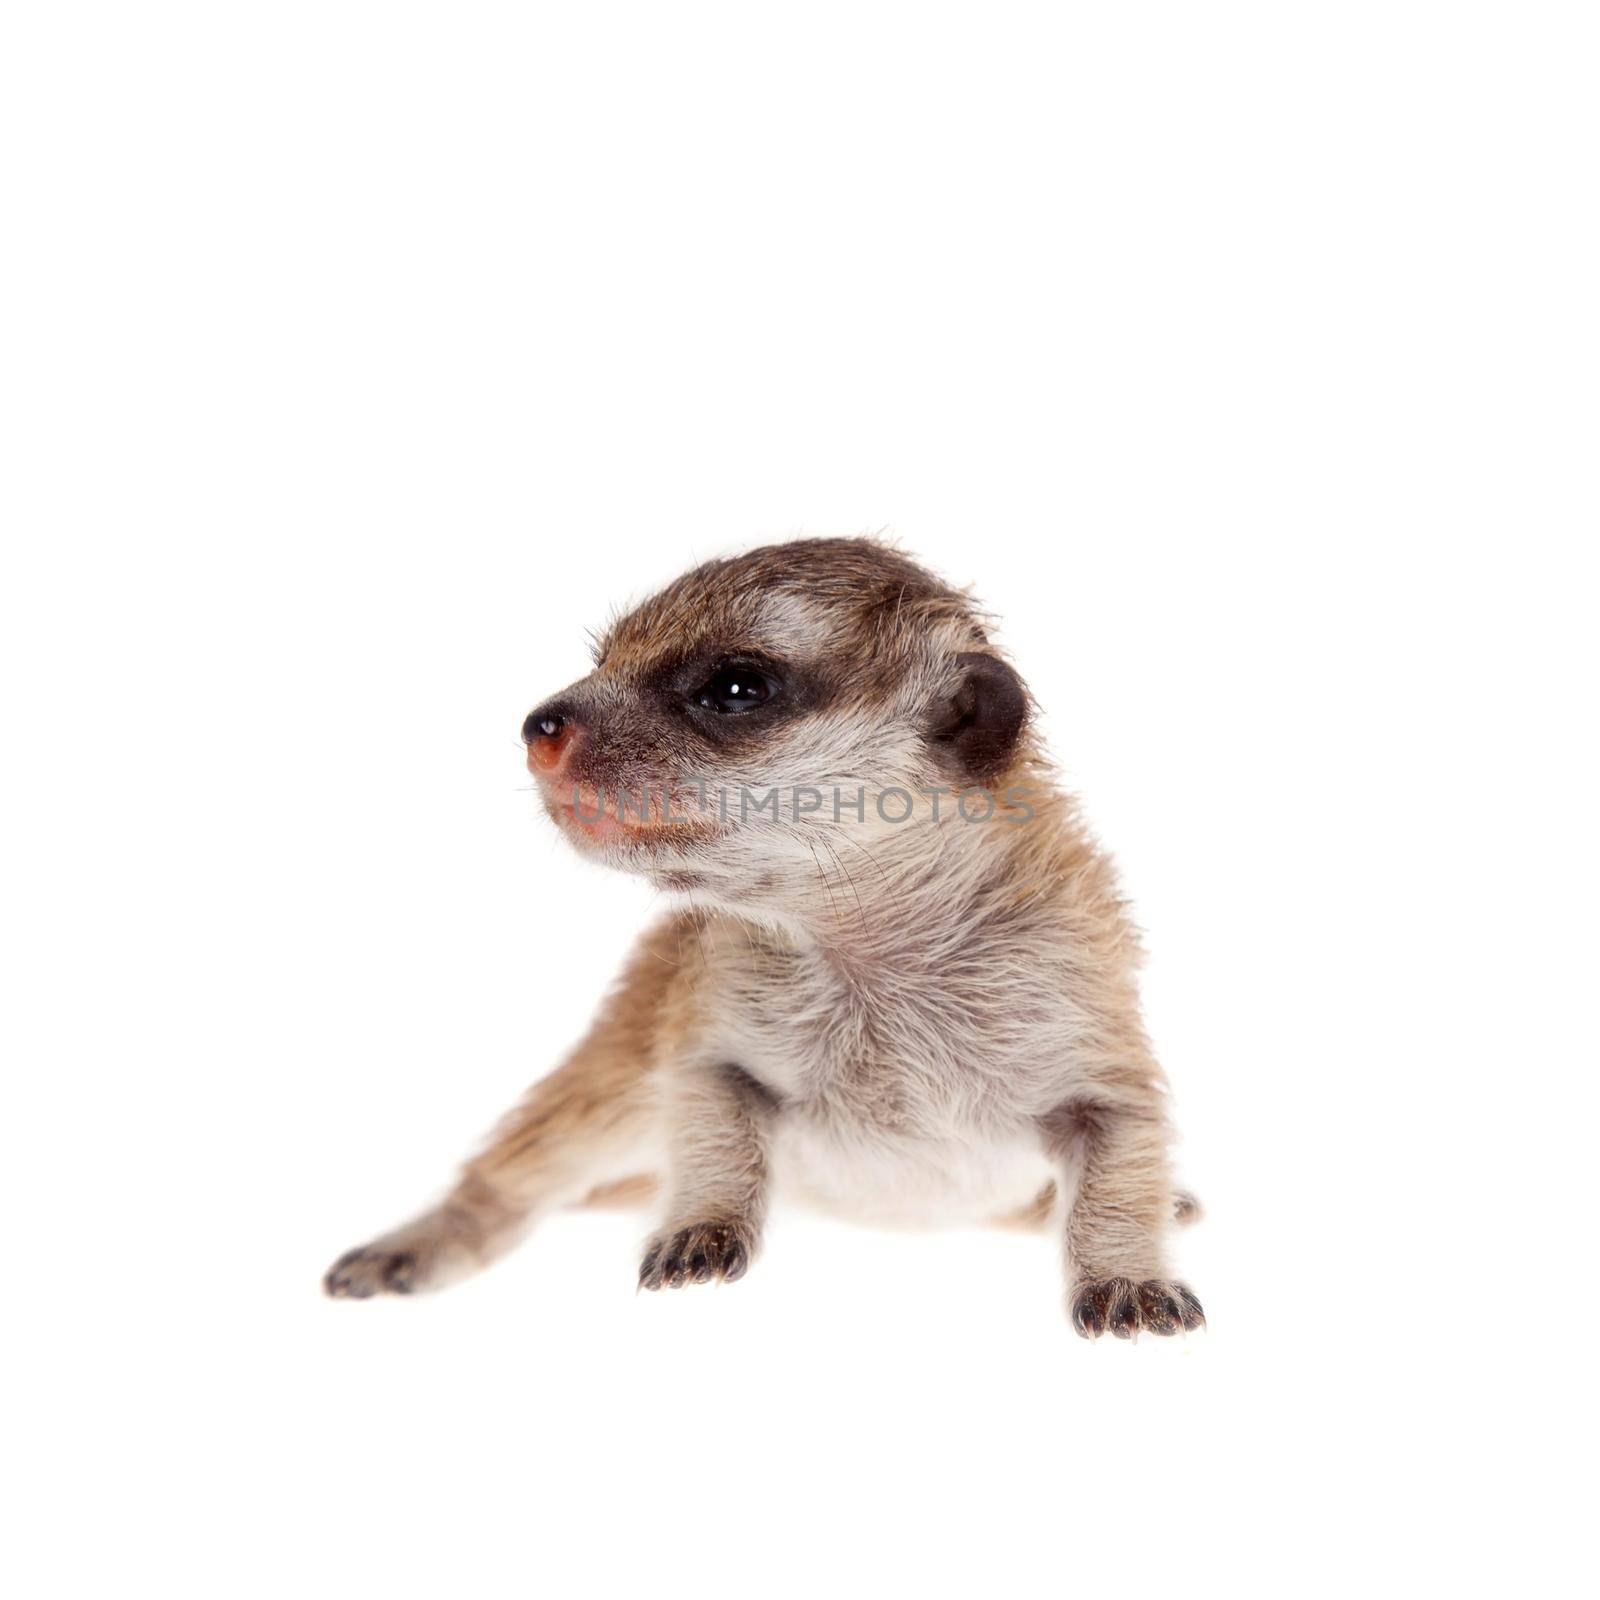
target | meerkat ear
[{"x": 981, "y": 722}]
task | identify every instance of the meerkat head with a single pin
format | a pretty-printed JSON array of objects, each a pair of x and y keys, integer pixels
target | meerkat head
[{"x": 736, "y": 723}]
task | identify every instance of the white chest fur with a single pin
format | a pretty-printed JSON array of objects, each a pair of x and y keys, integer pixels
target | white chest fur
[{"x": 902, "y": 1098}]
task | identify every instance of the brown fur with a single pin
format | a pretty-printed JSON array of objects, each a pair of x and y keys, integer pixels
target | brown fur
[{"x": 902, "y": 1032}]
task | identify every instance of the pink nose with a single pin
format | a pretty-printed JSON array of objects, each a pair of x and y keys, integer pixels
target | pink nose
[{"x": 548, "y": 736}]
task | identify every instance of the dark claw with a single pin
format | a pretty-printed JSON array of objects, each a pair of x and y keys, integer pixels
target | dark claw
[
  {"x": 1189, "y": 1309},
  {"x": 400, "y": 1273},
  {"x": 334, "y": 1281},
  {"x": 673, "y": 1270},
  {"x": 338, "y": 1282},
  {"x": 1090, "y": 1309},
  {"x": 1158, "y": 1308},
  {"x": 1129, "y": 1309},
  {"x": 649, "y": 1268},
  {"x": 695, "y": 1255},
  {"x": 1125, "y": 1318}
]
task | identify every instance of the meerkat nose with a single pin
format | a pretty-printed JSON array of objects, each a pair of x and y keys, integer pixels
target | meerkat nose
[{"x": 546, "y": 734}]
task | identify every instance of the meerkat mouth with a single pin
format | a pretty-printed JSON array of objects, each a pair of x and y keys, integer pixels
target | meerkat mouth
[{"x": 604, "y": 826}]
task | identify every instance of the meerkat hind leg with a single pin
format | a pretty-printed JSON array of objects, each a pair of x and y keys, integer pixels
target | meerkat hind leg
[
  {"x": 577, "y": 1136},
  {"x": 463, "y": 1233}
]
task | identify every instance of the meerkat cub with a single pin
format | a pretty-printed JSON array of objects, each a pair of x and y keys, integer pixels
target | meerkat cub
[{"x": 899, "y": 981}]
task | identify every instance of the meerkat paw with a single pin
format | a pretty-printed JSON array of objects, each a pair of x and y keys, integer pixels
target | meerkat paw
[
  {"x": 371, "y": 1269},
  {"x": 426, "y": 1254},
  {"x": 1128, "y": 1308},
  {"x": 696, "y": 1254}
]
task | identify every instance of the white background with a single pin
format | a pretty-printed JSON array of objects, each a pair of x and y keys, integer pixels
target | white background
[{"x": 356, "y": 358}]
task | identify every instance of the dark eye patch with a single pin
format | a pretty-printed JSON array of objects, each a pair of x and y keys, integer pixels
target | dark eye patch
[
  {"x": 732, "y": 692},
  {"x": 735, "y": 688}
]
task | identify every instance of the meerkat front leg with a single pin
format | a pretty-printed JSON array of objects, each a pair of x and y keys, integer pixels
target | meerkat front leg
[
  {"x": 718, "y": 1118},
  {"x": 1114, "y": 1160}
]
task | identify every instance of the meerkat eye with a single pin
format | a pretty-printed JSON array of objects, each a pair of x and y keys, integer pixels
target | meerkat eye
[{"x": 735, "y": 689}]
